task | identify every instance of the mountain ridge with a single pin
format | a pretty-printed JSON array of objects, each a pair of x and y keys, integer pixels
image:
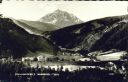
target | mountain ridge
[
  {"x": 35, "y": 27},
  {"x": 89, "y": 35}
]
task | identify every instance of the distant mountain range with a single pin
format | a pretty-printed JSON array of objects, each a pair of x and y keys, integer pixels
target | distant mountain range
[
  {"x": 53, "y": 21},
  {"x": 35, "y": 27},
  {"x": 61, "y": 19}
]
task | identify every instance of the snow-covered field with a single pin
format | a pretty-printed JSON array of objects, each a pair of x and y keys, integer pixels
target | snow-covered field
[{"x": 111, "y": 56}]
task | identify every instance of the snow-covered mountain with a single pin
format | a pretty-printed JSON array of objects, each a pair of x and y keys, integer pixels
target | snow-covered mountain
[{"x": 61, "y": 19}]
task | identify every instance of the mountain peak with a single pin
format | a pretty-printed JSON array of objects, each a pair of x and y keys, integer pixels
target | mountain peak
[{"x": 60, "y": 18}]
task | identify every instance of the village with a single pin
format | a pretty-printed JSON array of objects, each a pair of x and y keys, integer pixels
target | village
[{"x": 72, "y": 62}]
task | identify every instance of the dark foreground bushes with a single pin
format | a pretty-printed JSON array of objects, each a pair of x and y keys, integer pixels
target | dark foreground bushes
[{"x": 8, "y": 71}]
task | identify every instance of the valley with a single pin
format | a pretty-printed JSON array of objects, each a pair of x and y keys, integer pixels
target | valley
[{"x": 78, "y": 48}]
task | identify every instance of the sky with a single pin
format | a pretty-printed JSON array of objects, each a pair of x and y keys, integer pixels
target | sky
[{"x": 85, "y": 10}]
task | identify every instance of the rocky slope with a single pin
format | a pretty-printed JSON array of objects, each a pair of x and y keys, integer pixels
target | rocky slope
[{"x": 61, "y": 19}]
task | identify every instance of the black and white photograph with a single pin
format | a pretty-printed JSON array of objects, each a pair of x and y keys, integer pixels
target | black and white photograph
[{"x": 63, "y": 41}]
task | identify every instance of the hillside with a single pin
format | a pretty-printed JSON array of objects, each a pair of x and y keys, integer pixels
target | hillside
[
  {"x": 100, "y": 34},
  {"x": 16, "y": 42}
]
